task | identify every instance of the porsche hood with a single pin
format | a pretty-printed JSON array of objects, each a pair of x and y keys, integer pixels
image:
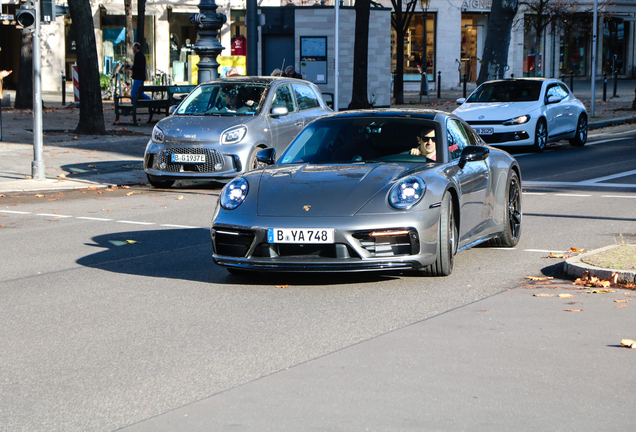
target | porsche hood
[{"x": 322, "y": 190}]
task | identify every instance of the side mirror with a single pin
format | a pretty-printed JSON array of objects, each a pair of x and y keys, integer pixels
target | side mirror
[
  {"x": 460, "y": 101},
  {"x": 267, "y": 156},
  {"x": 279, "y": 111},
  {"x": 172, "y": 109},
  {"x": 554, "y": 99},
  {"x": 473, "y": 154}
]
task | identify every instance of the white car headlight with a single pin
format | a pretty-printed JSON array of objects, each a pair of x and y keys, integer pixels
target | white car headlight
[
  {"x": 157, "y": 135},
  {"x": 233, "y": 135},
  {"x": 407, "y": 192},
  {"x": 517, "y": 120},
  {"x": 234, "y": 193}
]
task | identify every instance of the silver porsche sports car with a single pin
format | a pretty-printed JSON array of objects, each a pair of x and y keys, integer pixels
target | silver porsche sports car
[{"x": 370, "y": 190}]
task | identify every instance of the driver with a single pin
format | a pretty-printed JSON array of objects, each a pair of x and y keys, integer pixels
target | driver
[
  {"x": 426, "y": 144},
  {"x": 235, "y": 101}
]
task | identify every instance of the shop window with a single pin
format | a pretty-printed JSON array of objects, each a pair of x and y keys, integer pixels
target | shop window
[
  {"x": 114, "y": 43},
  {"x": 615, "y": 32},
  {"x": 413, "y": 48},
  {"x": 573, "y": 49}
]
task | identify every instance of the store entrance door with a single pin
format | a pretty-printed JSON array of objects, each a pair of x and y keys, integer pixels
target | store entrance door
[{"x": 278, "y": 52}]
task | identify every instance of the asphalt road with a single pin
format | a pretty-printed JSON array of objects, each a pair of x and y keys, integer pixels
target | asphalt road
[{"x": 112, "y": 312}]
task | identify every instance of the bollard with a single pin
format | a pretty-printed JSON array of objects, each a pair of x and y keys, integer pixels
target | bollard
[
  {"x": 615, "y": 81},
  {"x": 464, "y": 78},
  {"x": 63, "y": 89},
  {"x": 571, "y": 81},
  {"x": 439, "y": 85},
  {"x": 604, "y": 87}
]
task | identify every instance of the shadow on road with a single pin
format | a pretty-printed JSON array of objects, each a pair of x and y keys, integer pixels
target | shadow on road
[{"x": 186, "y": 254}]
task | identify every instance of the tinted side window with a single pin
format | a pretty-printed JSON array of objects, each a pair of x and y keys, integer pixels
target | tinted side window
[
  {"x": 457, "y": 138},
  {"x": 283, "y": 97},
  {"x": 305, "y": 97}
]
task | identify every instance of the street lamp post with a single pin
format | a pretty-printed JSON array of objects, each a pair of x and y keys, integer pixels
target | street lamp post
[
  {"x": 208, "y": 46},
  {"x": 424, "y": 63}
]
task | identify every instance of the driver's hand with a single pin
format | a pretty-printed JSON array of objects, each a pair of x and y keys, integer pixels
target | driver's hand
[{"x": 415, "y": 151}]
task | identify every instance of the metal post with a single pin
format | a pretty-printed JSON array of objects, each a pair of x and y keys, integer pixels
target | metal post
[
  {"x": 251, "y": 24},
  {"x": 439, "y": 85},
  {"x": 571, "y": 81},
  {"x": 615, "y": 81},
  {"x": 424, "y": 62},
  {"x": 464, "y": 78},
  {"x": 336, "y": 58},
  {"x": 63, "y": 89},
  {"x": 37, "y": 166},
  {"x": 208, "y": 46},
  {"x": 594, "y": 41},
  {"x": 604, "y": 87}
]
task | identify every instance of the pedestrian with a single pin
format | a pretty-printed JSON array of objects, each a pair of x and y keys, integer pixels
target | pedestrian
[
  {"x": 138, "y": 71},
  {"x": 277, "y": 72},
  {"x": 291, "y": 73}
]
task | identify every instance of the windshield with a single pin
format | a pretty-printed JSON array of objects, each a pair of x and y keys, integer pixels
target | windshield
[
  {"x": 359, "y": 140},
  {"x": 228, "y": 99},
  {"x": 507, "y": 91}
]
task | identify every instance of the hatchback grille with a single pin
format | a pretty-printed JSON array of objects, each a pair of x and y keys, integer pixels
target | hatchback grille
[{"x": 214, "y": 160}]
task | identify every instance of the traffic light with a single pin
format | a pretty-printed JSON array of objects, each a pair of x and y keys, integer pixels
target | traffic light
[
  {"x": 49, "y": 10},
  {"x": 25, "y": 15}
]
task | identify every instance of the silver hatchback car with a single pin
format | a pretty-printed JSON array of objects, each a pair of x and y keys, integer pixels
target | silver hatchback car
[{"x": 216, "y": 131}]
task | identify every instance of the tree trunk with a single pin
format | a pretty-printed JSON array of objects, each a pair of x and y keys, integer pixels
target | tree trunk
[
  {"x": 24, "y": 89},
  {"x": 91, "y": 120},
  {"x": 359, "y": 97},
  {"x": 495, "y": 57},
  {"x": 130, "y": 55},
  {"x": 141, "y": 15},
  {"x": 398, "y": 80}
]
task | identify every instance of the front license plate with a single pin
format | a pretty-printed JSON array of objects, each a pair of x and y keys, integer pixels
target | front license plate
[
  {"x": 188, "y": 158},
  {"x": 300, "y": 235},
  {"x": 484, "y": 131}
]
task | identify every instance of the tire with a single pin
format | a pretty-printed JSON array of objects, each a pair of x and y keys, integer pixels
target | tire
[
  {"x": 448, "y": 239},
  {"x": 540, "y": 136},
  {"x": 580, "y": 138},
  {"x": 509, "y": 237},
  {"x": 161, "y": 184},
  {"x": 253, "y": 163}
]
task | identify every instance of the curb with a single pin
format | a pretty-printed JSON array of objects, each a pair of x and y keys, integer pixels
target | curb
[
  {"x": 608, "y": 123},
  {"x": 576, "y": 267}
]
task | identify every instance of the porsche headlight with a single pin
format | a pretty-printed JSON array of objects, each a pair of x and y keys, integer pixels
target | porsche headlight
[
  {"x": 234, "y": 193},
  {"x": 157, "y": 135},
  {"x": 407, "y": 192},
  {"x": 233, "y": 135},
  {"x": 517, "y": 120}
]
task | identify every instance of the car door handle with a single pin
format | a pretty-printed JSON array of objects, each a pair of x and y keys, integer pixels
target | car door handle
[{"x": 299, "y": 123}]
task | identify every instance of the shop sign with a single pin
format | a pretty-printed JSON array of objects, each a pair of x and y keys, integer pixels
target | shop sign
[{"x": 477, "y": 4}]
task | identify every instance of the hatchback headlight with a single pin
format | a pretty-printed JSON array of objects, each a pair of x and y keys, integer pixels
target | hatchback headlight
[
  {"x": 157, "y": 135},
  {"x": 517, "y": 120},
  {"x": 233, "y": 135},
  {"x": 234, "y": 193},
  {"x": 407, "y": 192}
]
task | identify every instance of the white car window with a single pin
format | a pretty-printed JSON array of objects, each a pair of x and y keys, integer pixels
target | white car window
[
  {"x": 283, "y": 97},
  {"x": 305, "y": 98}
]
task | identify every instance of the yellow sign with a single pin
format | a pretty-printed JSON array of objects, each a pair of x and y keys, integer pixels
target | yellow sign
[{"x": 226, "y": 64}]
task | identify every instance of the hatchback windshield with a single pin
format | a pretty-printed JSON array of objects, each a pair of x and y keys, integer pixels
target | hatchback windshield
[
  {"x": 359, "y": 140},
  {"x": 507, "y": 91},
  {"x": 237, "y": 99}
]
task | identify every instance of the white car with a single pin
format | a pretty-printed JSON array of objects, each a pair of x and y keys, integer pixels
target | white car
[{"x": 525, "y": 112}]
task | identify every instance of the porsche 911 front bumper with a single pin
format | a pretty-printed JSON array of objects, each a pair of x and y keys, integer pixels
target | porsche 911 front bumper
[{"x": 361, "y": 243}]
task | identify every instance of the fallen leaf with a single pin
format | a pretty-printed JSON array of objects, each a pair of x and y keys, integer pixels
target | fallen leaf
[
  {"x": 565, "y": 296},
  {"x": 553, "y": 255},
  {"x": 628, "y": 343},
  {"x": 601, "y": 291},
  {"x": 620, "y": 306},
  {"x": 572, "y": 310},
  {"x": 282, "y": 286},
  {"x": 539, "y": 278},
  {"x": 106, "y": 210},
  {"x": 180, "y": 197},
  {"x": 61, "y": 176},
  {"x": 126, "y": 186},
  {"x": 130, "y": 193},
  {"x": 621, "y": 300},
  {"x": 39, "y": 196},
  {"x": 575, "y": 250},
  {"x": 131, "y": 241},
  {"x": 543, "y": 295}
]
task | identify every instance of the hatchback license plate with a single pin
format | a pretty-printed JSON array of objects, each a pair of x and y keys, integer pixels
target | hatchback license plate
[
  {"x": 484, "y": 131},
  {"x": 188, "y": 158},
  {"x": 300, "y": 235}
]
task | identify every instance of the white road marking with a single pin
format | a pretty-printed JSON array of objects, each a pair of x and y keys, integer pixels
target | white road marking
[
  {"x": 135, "y": 223},
  {"x": 53, "y": 215},
  {"x": 177, "y": 226},
  {"x": 606, "y": 141},
  {"x": 93, "y": 219},
  {"x": 583, "y": 183},
  {"x": 541, "y": 251},
  {"x": 572, "y": 195},
  {"x": 15, "y": 212},
  {"x": 618, "y": 196},
  {"x": 613, "y": 176}
]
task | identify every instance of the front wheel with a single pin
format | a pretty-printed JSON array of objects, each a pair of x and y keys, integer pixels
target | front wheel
[
  {"x": 253, "y": 162},
  {"x": 540, "y": 136},
  {"x": 580, "y": 138},
  {"x": 447, "y": 243},
  {"x": 509, "y": 237},
  {"x": 161, "y": 184}
]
